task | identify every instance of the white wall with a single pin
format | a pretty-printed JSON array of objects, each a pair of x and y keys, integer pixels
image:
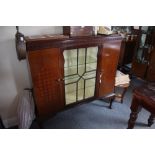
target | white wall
[{"x": 13, "y": 73}]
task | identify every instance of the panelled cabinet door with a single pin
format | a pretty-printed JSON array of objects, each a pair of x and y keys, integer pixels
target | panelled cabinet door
[
  {"x": 46, "y": 67},
  {"x": 107, "y": 66}
]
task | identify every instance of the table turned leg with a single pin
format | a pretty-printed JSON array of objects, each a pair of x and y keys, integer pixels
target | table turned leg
[
  {"x": 132, "y": 120},
  {"x": 151, "y": 120},
  {"x": 135, "y": 109}
]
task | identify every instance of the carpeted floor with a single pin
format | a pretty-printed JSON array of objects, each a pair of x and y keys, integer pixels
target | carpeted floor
[{"x": 97, "y": 115}]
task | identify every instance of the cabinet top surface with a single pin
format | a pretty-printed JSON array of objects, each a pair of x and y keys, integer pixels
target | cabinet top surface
[
  {"x": 66, "y": 37},
  {"x": 63, "y": 41}
]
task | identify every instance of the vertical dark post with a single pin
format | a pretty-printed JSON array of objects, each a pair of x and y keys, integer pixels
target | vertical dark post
[
  {"x": 151, "y": 120},
  {"x": 135, "y": 108},
  {"x": 1, "y": 124}
]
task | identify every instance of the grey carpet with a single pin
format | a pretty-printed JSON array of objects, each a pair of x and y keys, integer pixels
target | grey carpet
[{"x": 97, "y": 115}]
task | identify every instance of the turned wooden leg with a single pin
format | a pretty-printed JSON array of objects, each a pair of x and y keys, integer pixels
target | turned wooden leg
[
  {"x": 135, "y": 109},
  {"x": 151, "y": 120},
  {"x": 132, "y": 120}
]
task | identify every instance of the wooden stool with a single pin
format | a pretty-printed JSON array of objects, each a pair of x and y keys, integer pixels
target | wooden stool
[
  {"x": 119, "y": 97},
  {"x": 143, "y": 97},
  {"x": 122, "y": 82}
]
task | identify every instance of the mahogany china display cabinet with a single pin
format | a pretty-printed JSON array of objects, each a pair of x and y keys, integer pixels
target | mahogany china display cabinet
[
  {"x": 67, "y": 70},
  {"x": 143, "y": 64}
]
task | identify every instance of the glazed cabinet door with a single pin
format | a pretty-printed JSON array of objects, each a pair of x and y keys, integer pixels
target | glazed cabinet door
[
  {"x": 46, "y": 67},
  {"x": 107, "y": 66},
  {"x": 80, "y": 73}
]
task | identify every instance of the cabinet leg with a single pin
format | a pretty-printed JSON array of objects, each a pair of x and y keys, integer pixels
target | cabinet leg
[
  {"x": 111, "y": 101},
  {"x": 151, "y": 120}
]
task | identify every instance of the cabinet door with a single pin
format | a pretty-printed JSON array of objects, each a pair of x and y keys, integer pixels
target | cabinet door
[
  {"x": 80, "y": 73},
  {"x": 107, "y": 67},
  {"x": 46, "y": 67}
]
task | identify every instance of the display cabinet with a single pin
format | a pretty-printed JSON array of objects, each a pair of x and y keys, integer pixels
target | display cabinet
[
  {"x": 129, "y": 45},
  {"x": 143, "y": 62},
  {"x": 127, "y": 52},
  {"x": 67, "y": 71}
]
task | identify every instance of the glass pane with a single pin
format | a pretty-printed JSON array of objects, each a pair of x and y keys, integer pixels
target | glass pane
[
  {"x": 143, "y": 38},
  {"x": 81, "y": 61},
  {"x": 81, "y": 56},
  {"x": 92, "y": 54},
  {"x": 80, "y": 89},
  {"x": 139, "y": 54},
  {"x": 70, "y": 66},
  {"x": 71, "y": 79},
  {"x": 145, "y": 28},
  {"x": 91, "y": 66},
  {"x": 70, "y": 70},
  {"x": 89, "y": 75},
  {"x": 81, "y": 69},
  {"x": 90, "y": 88},
  {"x": 91, "y": 60},
  {"x": 70, "y": 93}
]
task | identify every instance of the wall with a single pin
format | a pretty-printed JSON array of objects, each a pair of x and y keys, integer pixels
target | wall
[{"x": 14, "y": 75}]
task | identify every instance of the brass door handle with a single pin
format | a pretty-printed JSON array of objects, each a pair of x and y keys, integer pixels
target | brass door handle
[
  {"x": 59, "y": 80},
  {"x": 101, "y": 74}
]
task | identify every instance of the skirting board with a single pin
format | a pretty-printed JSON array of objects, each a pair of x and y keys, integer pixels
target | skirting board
[{"x": 10, "y": 122}]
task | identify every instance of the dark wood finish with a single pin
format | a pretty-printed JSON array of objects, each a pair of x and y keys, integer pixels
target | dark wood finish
[
  {"x": 151, "y": 120},
  {"x": 45, "y": 56},
  {"x": 107, "y": 66},
  {"x": 144, "y": 68},
  {"x": 150, "y": 75},
  {"x": 47, "y": 74},
  {"x": 78, "y": 30},
  {"x": 67, "y": 43},
  {"x": 127, "y": 52},
  {"x": 138, "y": 69},
  {"x": 121, "y": 56},
  {"x": 1, "y": 124},
  {"x": 144, "y": 97}
]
